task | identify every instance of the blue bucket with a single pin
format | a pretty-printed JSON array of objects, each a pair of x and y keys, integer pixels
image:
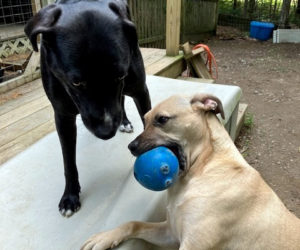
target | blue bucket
[{"x": 261, "y": 30}]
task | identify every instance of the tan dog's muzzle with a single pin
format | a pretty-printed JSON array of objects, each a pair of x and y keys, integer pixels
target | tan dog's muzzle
[{"x": 175, "y": 124}]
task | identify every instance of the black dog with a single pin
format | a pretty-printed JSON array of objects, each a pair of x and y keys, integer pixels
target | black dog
[{"x": 90, "y": 59}]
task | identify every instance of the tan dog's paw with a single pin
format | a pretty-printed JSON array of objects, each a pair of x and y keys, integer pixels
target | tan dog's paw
[{"x": 102, "y": 241}]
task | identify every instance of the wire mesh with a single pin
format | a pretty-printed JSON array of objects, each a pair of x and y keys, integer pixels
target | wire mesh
[
  {"x": 13, "y": 16},
  {"x": 15, "y": 11}
]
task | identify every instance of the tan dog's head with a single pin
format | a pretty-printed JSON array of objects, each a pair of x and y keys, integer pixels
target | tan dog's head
[{"x": 178, "y": 123}]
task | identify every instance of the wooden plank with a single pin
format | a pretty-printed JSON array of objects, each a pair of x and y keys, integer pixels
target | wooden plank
[
  {"x": 151, "y": 55},
  {"x": 232, "y": 123},
  {"x": 146, "y": 52},
  {"x": 21, "y": 100},
  {"x": 15, "y": 62},
  {"x": 36, "y": 6},
  {"x": 25, "y": 125},
  {"x": 194, "y": 52},
  {"x": 193, "y": 79},
  {"x": 174, "y": 70},
  {"x": 33, "y": 63},
  {"x": 163, "y": 64},
  {"x": 154, "y": 58},
  {"x": 21, "y": 143},
  {"x": 241, "y": 117},
  {"x": 173, "y": 27},
  {"x": 196, "y": 62},
  {"x": 18, "y": 81},
  {"x": 200, "y": 68},
  {"x": 23, "y": 111}
]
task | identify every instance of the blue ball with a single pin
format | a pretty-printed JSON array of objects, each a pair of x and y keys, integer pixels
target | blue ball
[{"x": 156, "y": 169}]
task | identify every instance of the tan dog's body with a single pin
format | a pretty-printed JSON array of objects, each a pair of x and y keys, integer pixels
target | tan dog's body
[{"x": 219, "y": 202}]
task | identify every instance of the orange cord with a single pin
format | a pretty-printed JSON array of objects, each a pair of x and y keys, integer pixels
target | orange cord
[{"x": 210, "y": 57}]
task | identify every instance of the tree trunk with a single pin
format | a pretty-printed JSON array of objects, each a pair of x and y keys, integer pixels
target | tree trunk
[
  {"x": 298, "y": 8},
  {"x": 270, "y": 10},
  {"x": 274, "y": 9},
  {"x": 251, "y": 8},
  {"x": 234, "y": 4},
  {"x": 284, "y": 15},
  {"x": 246, "y": 8}
]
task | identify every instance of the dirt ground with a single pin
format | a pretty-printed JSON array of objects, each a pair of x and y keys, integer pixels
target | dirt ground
[{"x": 269, "y": 75}]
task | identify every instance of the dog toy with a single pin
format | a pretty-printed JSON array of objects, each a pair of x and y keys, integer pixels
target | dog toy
[{"x": 156, "y": 169}]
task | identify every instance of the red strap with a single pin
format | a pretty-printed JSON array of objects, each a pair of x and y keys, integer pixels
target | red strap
[{"x": 210, "y": 58}]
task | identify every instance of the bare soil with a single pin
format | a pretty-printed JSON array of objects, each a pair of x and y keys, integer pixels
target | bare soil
[{"x": 269, "y": 75}]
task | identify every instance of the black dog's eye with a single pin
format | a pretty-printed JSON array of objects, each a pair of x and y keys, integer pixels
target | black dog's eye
[
  {"x": 161, "y": 120},
  {"x": 121, "y": 78},
  {"x": 78, "y": 84}
]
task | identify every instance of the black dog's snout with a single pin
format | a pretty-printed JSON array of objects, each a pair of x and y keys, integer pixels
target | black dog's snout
[
  {"x": 105, "y": 133},
  {"x": 133, "y": 147}
]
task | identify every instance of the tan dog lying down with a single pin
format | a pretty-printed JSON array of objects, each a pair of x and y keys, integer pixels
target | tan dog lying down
[{"x": 219, "y": 201}]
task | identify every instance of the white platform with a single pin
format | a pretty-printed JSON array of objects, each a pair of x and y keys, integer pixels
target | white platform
[
  {"x": 286, "y": 36},
  {"x": 32, "y": 183}
]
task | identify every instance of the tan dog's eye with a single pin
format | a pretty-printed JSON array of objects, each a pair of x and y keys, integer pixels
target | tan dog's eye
[{"x": 161, "y": 120}]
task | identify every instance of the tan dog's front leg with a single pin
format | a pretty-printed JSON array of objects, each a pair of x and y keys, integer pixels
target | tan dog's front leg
[{"x": 155, "y": 233}]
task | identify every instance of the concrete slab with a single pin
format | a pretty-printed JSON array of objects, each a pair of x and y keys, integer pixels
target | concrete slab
[{"x": 31, "y": 183}]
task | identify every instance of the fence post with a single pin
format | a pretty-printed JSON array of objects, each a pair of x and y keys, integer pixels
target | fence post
[
  {"x": 173, "y": 27},
  {"x": 36, "y": 6}
]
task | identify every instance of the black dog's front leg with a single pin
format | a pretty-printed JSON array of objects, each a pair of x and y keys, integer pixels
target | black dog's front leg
[
  {"x": 67, "y": 132},
  {"x": 126, "y": 125},
  {"x": 142, "y": 102}
]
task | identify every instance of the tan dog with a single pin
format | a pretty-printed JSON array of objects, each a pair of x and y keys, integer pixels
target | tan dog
[{"x": 219, "y": 201}]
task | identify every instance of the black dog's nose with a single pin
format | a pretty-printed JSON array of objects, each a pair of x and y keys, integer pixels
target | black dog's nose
[
  {"x": 105, "y": 133},
  {"x": 133, "y": 147}
]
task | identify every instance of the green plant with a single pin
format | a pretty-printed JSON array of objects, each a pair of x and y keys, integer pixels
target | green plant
[{"x": 249, "y": 120}]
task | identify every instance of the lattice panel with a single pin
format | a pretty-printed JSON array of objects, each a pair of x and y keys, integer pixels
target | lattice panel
[{"x": 14, "y": 46}]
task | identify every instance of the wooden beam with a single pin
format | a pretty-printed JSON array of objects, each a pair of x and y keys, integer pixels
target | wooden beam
[
  {"x": 33, "y": 63},
  {"x": 36, "y": 6},
  {"x": 173, "y": 27},
  {"x": 195, "y": 61},
  {"x": 18, "y": 81}
]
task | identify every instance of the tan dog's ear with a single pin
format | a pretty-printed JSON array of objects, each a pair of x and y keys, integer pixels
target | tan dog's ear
[{"x": 208, "y": 103}]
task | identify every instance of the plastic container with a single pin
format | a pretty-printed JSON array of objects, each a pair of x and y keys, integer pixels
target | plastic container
[{"x": 261, "y": 30}]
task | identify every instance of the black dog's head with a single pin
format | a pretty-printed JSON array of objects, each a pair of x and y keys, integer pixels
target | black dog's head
[{"x": 87, "y": 47}]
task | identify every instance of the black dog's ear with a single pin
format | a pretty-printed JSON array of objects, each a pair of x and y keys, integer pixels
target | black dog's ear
[
  {"x": 42, "y": 22},
  {"x": 128, "y": 26},
  {"x": 115, "y": 8},
  {"x": 208, "y": 103},
  {"x": 130, "y": 31},
  {"x": 121, "y": 11}
]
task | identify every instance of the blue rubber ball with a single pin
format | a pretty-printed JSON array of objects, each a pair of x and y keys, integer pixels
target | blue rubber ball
[{"x": 156, "y": 169}]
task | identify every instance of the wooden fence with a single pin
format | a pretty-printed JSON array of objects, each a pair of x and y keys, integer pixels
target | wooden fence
[
  {"x": 198, "y": 18},
  {"x": 241, "y": 23},
  {"x": 149, "y": 17}
]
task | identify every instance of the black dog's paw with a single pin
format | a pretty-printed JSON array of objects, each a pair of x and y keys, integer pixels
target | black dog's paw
[
  {"x": 126, "y": 127},
  {"x": 69, "y": 204}
]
